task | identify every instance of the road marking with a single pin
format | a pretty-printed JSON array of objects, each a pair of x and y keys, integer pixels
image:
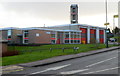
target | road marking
[
  {"x": 54, "y": 68},
  {"x": 101, "y": 70},
  {"x": 74, "y": 71},
  {"x": 101, "y": 62}
]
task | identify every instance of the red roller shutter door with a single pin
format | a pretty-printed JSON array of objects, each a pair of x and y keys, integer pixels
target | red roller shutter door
[
  {"x": 92, "y": 34},
  {"x": 83, "y": 34},
  {"x": 101, "y": 35}
]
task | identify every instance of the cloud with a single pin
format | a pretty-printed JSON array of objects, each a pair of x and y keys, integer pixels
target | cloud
[{"x": 36, "y": 14}]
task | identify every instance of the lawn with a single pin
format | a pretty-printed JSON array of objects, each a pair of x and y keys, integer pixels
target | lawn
[{"x": 34, "y": 53}]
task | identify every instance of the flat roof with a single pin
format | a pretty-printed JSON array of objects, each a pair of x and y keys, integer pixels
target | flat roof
[
  {"x": 84, "y": 25},
  {"x": 50, "y": 29},
  {"x": 44, "y": 28},
  {"x": 10, "y": 28}
]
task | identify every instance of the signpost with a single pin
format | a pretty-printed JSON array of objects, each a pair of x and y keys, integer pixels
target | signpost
[
  {"x": 106, "y": 24},
  {"x": 106, "y": 31}
]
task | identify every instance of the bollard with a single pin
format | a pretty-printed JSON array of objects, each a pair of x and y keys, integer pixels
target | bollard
[
  {"x": 77, "y": 48},
  {"x": 63, "y": 49},
  {"x": 50, "y": 49}
]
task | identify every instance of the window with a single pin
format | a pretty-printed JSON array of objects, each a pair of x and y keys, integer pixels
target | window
[
  {"x": 72, "y": 34},
  {"x": 73, "y": 8},
  {"x": 73, "y": 17},
  {"x": 66, "y": 41},
  {"x": 74, "y": 37},
  {"x": 52, "y": 35},
  {"x": 26, "y": 35},
  {"x": 37, "y": 34},
  {"x": 52, "y": 32},
  {"x": 74, "y": 22},
  {"x": 53, "y": 41},
  {"x": 66, "y": 34},
  {"x": 47, "y": 32},
  {"x": 78, "y": 33},
  {"x": 26, "y": 31},
  {"x": 9, "y": 36},
  {"x": 9, "y": 32},
  {"x": 25, "y": 41},
  {"x": 72, "y": 41}
]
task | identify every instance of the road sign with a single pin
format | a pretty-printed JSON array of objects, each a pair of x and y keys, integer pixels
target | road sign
[
  {"x": 107, "y": 24},
  {"x": 116, "y": 16}
]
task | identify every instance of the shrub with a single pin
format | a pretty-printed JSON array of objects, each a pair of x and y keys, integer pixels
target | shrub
[{"x": 10, "y": 53}]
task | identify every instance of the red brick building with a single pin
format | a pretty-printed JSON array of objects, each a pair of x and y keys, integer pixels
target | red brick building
[{"x": 59, "y": 34}]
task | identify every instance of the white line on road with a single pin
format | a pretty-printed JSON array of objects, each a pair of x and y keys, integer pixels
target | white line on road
[
  {"x": 101, "y": 62},
  {"x": 74, "y": 71},
  {"x": 101, "y": 70},
  {"x": 53, "y": 68}
]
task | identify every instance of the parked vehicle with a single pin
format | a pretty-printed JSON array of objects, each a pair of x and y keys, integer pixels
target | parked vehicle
[{"x": 112, "y": 39}]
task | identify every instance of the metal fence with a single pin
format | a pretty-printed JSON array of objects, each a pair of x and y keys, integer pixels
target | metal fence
[{"x": 50, "y": 49}]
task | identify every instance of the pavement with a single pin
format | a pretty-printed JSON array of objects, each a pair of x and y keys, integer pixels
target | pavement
[{"x": 19, "y": 67}]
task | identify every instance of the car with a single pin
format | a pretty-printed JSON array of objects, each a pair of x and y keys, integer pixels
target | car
[{"x": 112, "y": 40}]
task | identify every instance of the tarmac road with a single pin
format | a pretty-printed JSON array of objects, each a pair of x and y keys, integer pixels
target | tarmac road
[{"x": 102, "y": 63}]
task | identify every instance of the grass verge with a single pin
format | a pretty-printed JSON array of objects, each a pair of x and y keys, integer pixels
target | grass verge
[{"x": 40, "y": 54}]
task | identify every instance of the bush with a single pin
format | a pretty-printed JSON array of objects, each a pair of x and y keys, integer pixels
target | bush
[{"x": 10, "y": 53}]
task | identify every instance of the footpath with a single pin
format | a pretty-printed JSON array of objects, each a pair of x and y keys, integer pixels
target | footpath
[{"x": 19, "y": 67}]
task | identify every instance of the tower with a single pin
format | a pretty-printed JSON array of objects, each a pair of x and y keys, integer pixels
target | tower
[{"x": 74, "y": 13}]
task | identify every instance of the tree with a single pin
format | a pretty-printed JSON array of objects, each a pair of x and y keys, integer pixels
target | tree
[
  {"x": 109, "y": 30},
  {"x": 116, "y": 30}
]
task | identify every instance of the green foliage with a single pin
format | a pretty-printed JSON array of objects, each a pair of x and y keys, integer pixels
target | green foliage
[{"x": 116, "y": 30}]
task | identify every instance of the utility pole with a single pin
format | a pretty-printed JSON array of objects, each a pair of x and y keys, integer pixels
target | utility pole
[{"x": 106, "y": 26}]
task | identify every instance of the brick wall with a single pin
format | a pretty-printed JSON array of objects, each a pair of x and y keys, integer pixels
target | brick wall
[{"x": 43, "y": 37}]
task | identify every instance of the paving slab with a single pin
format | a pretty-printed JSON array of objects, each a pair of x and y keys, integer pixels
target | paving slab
[{"x": 11, "y": 68}]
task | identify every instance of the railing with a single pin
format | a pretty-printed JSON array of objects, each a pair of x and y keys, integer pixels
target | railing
[
  {"x": 63, "y": 49},
  {"x": 51, "y": 49}
]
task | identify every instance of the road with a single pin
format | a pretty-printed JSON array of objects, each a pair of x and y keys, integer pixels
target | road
[{"x": 103, "y": 63}]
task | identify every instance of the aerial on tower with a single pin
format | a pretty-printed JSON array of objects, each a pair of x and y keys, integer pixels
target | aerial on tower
[{"x": 74, "y": 13}]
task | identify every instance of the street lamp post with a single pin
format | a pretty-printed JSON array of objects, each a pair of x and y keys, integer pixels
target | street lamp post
[{"x": 106, "y": 26}]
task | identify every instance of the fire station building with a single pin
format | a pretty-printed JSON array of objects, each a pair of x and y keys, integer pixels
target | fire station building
[{"x": 59, "y": 34}]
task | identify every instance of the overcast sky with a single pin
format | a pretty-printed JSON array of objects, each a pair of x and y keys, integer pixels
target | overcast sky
[{"x": 35, "y": 13}]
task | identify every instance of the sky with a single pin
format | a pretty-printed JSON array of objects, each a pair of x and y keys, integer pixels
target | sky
[{"x": 39, "y": 13}]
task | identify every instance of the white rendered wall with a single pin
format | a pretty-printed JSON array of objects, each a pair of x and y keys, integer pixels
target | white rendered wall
[
  {"x": 88, "y": 35},
  {"x": 97, "y": 35}
]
